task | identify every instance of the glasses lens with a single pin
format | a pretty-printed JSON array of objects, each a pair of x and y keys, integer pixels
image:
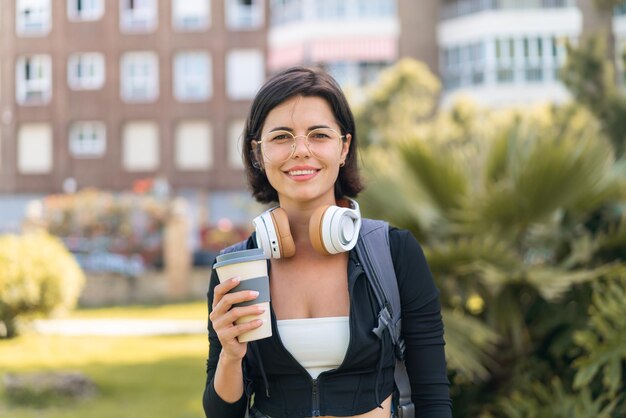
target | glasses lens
[
  {"x": 323, "y": 141},
  {"x": 277, "y": 146}
]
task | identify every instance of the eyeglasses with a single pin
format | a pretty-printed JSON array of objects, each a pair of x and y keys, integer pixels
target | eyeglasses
[{"x": 279, "y": 146}]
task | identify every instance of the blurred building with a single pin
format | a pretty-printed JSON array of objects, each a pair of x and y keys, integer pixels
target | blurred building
[
  {"x": 106, "y": 92},
  {"x": 353, "y": 39},
  {"x": 508, "y": 52}
]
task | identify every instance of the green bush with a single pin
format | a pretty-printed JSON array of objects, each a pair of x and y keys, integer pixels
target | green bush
[{"x": 37, "y": 276}]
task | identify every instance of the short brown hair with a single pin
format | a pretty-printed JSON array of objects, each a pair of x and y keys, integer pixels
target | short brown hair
[{"x": 299, "y": 81}]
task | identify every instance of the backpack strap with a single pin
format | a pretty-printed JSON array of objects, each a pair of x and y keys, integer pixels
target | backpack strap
[
  {"x": 374, "y": 251},
  {"x": 240, "y": 246}
]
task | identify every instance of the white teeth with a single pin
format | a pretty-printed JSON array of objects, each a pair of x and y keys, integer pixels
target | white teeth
[{"x": 301, "y": 172}]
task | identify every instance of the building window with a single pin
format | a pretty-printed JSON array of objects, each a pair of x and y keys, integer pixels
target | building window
[
  {"x": 85, "y": 71},
  {"x": 244, "y": 14},
  {"x": 476, "y": 55},
  {"x": 355, "y": 73},
  {"x": 33, "y": 17},
  {"x": 191, "y": 15},
  {"x": 85, "y": 10},
  {"x": 192, "y": 76},
  {"x": 331, "y": 9},
  {"x": 34, "y": 149},
  {"x": 138, "y": 16},
  {"x": 505, "y": 60},
  {"x": 559, "y": 53},
  {"x": 285, "y": 11},
  {"x": 140, "y": 146},
  {"x": 235, "y": 143},
  {"x": 33, "y": 80},
  {"x": 452, "y": 69},
  {"x": 194, "y": 146},
  {"x": 139, "y": 77},
  {"x": 87, "y": 139},
  {"x": 533, "y": 59},
  {"x": 245, "y": 73}
]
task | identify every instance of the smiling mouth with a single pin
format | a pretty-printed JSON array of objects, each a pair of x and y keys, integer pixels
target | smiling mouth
[{"x": 301, "y": 172}]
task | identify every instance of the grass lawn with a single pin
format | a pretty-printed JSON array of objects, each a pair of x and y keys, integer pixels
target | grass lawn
[
  {"x": 160, "y": 376},
  {"x": 193, "y": 310}
]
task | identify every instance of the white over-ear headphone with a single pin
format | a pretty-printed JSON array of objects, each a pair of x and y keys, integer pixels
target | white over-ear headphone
[{"x": 332, "y": 230}]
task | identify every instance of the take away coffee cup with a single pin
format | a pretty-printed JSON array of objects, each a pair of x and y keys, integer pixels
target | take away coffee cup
[{"x": 250, "y": 266}]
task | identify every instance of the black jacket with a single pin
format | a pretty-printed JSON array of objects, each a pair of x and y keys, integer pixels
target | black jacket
[{"x": 284, "y": 389}]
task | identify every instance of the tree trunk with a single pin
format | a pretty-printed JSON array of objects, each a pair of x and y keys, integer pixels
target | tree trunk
[
  {"x": 10, "y": 328},
  {"x": 598, "y": 22}
]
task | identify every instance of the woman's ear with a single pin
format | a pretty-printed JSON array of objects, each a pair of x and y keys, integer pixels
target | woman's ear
[
  {"x": 345, "y": 148},
  {"x": 255, "y": 155}
]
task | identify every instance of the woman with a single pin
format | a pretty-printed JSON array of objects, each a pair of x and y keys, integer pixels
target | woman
[{"x": 300, "y": 152}]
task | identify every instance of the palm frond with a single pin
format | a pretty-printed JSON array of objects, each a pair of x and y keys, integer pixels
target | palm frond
[
  {"x": 469, "y": 345},
  {"x": 440, "y": 176},
  {"x": 454, "y": 256},
  {"x": 605, "y": 339},
  {"x": 556, "y": 401}
]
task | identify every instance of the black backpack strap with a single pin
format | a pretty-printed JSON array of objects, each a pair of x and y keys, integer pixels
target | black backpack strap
[{"x": 374, "y": 251}]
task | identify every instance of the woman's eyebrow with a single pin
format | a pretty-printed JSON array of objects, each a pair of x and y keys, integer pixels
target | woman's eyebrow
[
  {"x": 281, "y": 128},
  {"x": 288, "y": 129}
]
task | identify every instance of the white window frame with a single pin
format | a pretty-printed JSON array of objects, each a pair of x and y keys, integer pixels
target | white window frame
[
  {"x": 33, "y": 17},
  {"x": 244, "y": 17},
  {"x": 236, "y": 76},
  {"x": 86, "y": 71},
  {"x": 90, "y": 10},
  {"x": 142, "y": 17},
  {"x": 505, "y": 63},
  {"x": 534, "y": 50},
  {"x": 35, "y": 153},
  {"x": 190, "y": 85},
  {"x": 187, "y": 19},
  {"x": 139, "y": 77},
  {"x": 149, "y": 160},
  {"x": 202, "y": 157},
  {"x": 34, "y": 90},
  {"x": 87, "y": 139}
]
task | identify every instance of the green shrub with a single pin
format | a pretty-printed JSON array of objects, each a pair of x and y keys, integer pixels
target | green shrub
[{"x": 37, "y": 276}]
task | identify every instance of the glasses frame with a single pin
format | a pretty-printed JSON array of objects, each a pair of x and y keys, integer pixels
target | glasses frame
[{"x": 342, "y": 139}]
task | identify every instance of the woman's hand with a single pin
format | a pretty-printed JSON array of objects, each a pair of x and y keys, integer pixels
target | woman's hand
[{"x": 223, "y": 317}]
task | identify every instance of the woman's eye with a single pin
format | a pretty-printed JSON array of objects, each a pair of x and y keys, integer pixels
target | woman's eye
[
  {"x": 319, "y": 135},
  {"x": 281, "y": 137}
]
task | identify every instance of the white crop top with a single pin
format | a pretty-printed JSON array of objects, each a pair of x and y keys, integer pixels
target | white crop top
[{"x": 318, "y": 344}]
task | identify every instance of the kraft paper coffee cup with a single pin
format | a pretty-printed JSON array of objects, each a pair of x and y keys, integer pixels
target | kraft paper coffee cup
[{"x": 250, "y": 266}]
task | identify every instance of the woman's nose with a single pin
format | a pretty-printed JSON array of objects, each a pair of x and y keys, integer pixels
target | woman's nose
[{"x": 301, "y": 146}]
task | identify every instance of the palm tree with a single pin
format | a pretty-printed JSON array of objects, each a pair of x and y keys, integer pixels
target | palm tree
[{"x": 507, "y": 206}]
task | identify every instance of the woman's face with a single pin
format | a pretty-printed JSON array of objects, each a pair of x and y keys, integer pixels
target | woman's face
[{"x": 309, "y": 174}]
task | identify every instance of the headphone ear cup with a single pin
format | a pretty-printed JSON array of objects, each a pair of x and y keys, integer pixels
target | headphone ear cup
[
  {"x": 283, "y": 233},
  {"x": 315, "y": 230}
]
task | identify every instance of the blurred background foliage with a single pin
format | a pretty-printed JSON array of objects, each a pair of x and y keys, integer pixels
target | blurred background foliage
[
  {"x": 38, "y": 275},
  {"x": 522, "y": 215}
]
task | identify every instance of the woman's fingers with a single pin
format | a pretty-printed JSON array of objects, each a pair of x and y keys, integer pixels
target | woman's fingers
[
  {"x": 236, "y": 330},
  {"x": 223, "y": 288},
  {"x": 222, "y": 319}
]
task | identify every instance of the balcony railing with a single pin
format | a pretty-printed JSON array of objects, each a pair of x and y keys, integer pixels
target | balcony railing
[{"x": 460, "y": 8}]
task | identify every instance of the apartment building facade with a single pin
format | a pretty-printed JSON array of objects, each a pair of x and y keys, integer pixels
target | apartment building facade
[
  {"x": 510, "y": 52},
  {"x": 105, "y": 92}
]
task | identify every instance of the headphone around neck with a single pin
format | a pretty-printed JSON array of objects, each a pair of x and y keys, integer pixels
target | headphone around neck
[{"x": 332, "y": 230}]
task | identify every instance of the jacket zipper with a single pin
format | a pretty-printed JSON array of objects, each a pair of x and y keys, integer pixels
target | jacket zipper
[{"x": 315, "y": 404}]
